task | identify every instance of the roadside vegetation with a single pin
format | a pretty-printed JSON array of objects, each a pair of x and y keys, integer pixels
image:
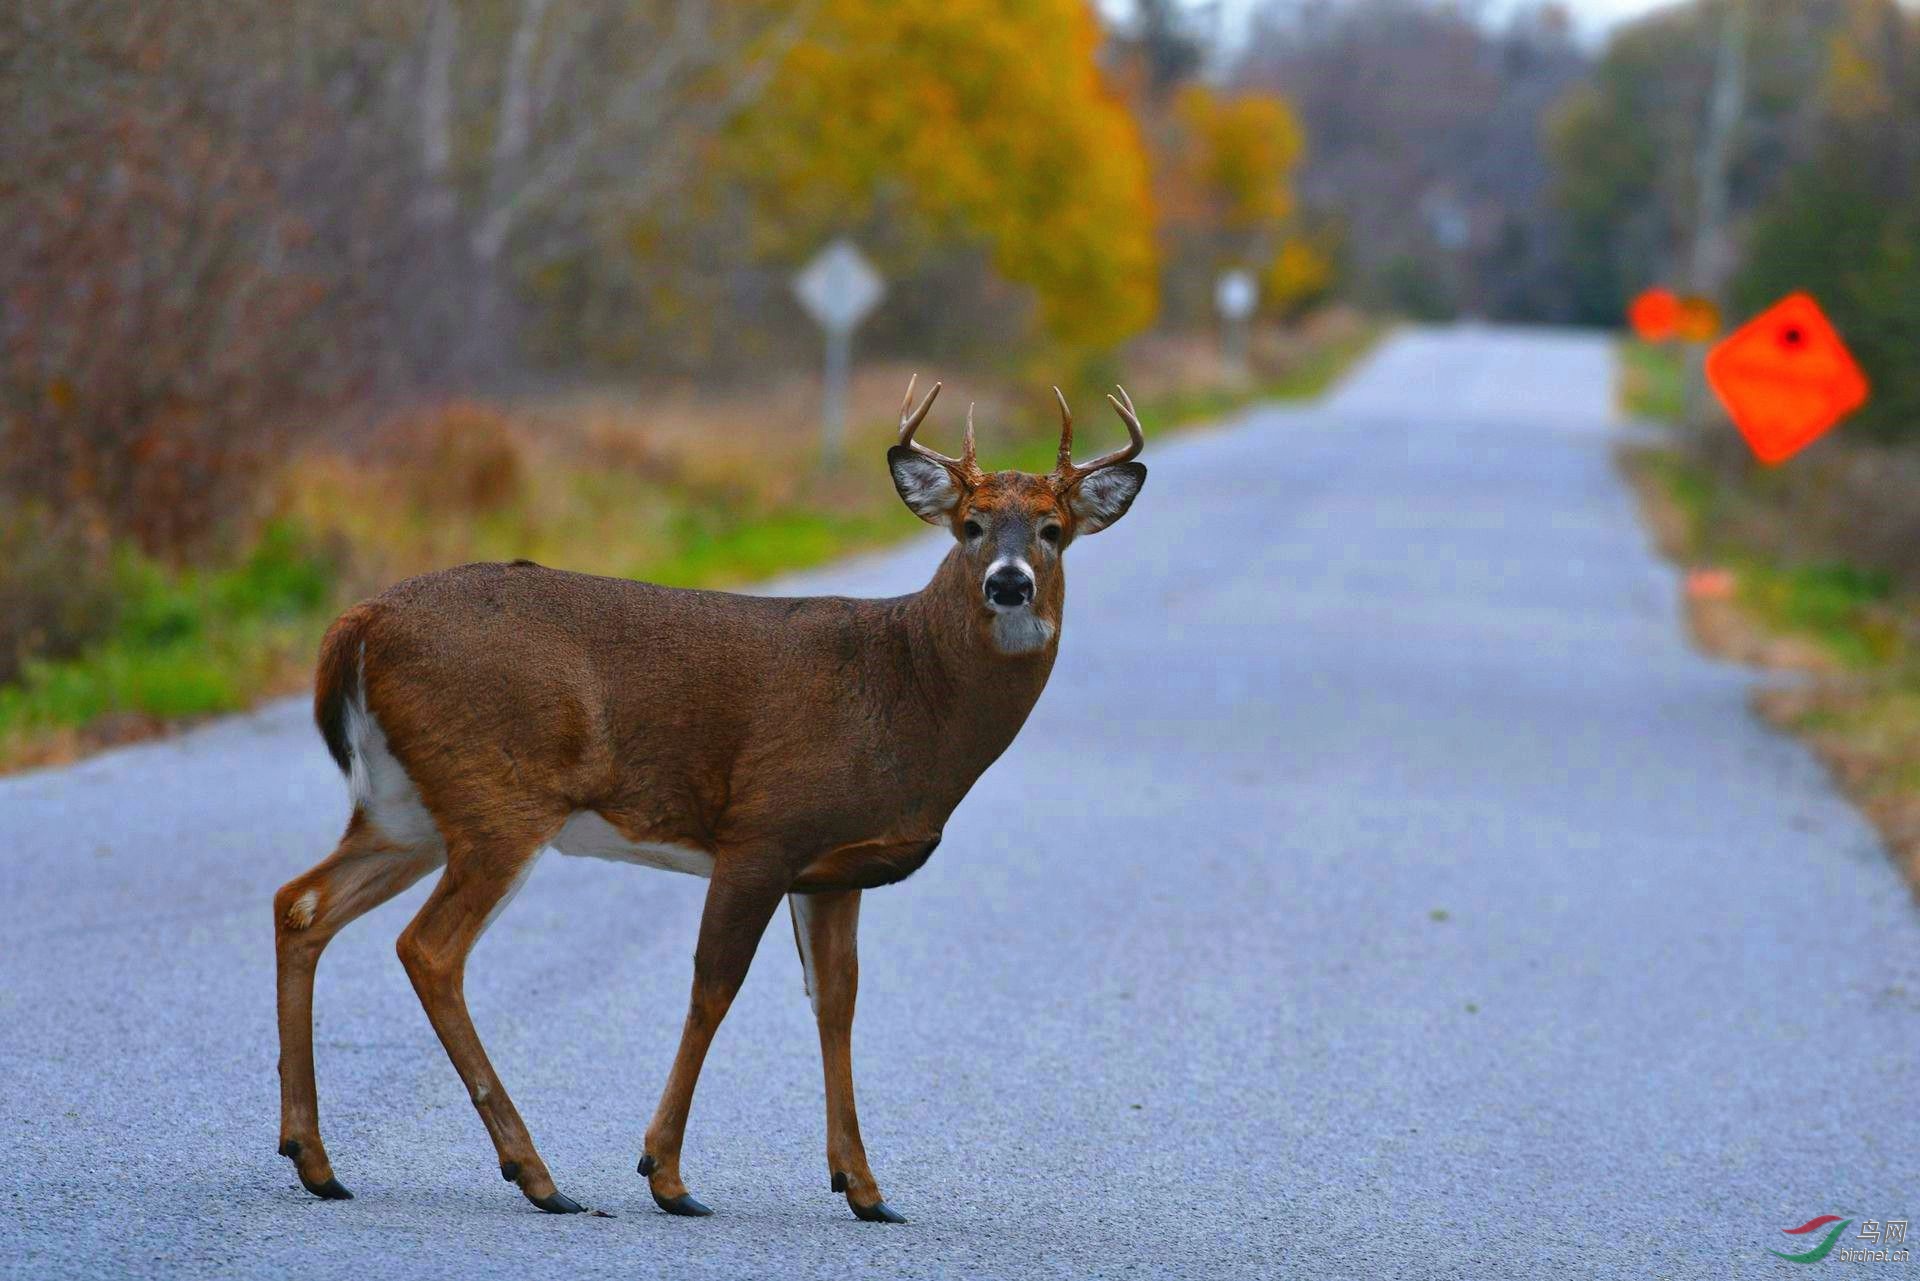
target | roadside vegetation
[
  {"x": 1809, "y": 567},
  {"x": 300, "y": 298},
  {"x": 694, "y": 490}
]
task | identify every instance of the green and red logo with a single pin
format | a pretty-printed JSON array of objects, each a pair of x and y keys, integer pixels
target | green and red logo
[{"x": 1811, "y": 1226}]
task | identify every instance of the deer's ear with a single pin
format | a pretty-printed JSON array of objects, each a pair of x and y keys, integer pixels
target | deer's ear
[
  {"x": 927, "y": 488},
  {"x": 1102, "y": 497}
]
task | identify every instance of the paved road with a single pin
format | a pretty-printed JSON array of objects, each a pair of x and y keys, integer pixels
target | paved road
[{"x": 1382, "y": 889}]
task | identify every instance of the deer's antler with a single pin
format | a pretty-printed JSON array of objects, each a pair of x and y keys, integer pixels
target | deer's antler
[
  {"x": 910, "y": 422},
  {"x": 1067, "y": 472}
]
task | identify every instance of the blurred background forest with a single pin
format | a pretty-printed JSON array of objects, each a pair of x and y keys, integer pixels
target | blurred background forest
[{"x": 296, "y": 298}]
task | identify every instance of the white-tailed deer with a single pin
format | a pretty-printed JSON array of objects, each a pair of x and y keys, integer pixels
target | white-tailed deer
[{"x": 800, "y": 748}]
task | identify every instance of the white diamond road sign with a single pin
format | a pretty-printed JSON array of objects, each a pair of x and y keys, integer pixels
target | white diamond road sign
[
  {"x": 1235, "y": 295},
  {"x": 839, "y": 287}
]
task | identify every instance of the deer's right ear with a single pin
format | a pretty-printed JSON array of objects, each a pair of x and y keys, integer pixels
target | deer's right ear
[{"x": 929, "y": 490}]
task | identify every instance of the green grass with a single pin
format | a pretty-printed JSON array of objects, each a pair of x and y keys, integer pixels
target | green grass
[
  {"x": 1651, "y": 380},
  {"x": 711, "y": 550},
  {"x": 184, "y": 643},
  {"x": 1842, "y": 609},
  {"x": 1847, "y": 611}
]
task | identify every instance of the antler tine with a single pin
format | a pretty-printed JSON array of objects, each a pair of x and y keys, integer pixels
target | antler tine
[
  {"x": 910, "y": 421},
  {"x": 1136, "y": 441},
  {"x": 1065, "y": 458}
]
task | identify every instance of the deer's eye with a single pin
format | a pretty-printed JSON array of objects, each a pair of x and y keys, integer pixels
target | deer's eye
[
  {"x": 1050, "y": 534},
  {"x": 972, "y": 529}
]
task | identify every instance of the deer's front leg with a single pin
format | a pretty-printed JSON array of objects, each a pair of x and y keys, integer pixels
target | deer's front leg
[
  {"x": 826, "y": 928},
  {"x": 740, "y": 900}
]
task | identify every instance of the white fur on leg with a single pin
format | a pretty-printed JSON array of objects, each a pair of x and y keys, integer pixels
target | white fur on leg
[{"x": 802, "y": 909}]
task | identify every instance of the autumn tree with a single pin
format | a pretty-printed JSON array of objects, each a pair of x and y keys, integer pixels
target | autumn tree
[
  {"x": 944, "y": 128},
  {"x": 1225, "y": 187}
]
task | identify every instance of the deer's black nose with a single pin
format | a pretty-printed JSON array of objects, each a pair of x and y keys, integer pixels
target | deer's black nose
[{"x": 1009, "y": 587}]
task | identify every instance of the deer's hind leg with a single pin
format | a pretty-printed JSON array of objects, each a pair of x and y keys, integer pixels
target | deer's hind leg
[
  {"x": 365, "y": 870},
  {"x": 481, "y": 876}
]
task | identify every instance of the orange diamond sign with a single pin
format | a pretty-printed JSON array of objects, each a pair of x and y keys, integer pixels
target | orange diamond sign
[{"x": 1785, "y": 378}]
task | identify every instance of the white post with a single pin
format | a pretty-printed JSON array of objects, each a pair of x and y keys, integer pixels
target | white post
[
  {"x": 833, "y": 406},
  {"x": 1235, "y": 295},
  {"x": 839, "y": 288}
]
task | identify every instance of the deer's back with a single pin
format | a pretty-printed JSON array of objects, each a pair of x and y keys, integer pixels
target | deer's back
[{"x": 519, "y": 686}]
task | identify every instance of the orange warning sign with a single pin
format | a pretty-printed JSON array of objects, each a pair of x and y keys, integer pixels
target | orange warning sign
[
  {"x": 1785, "y": 378},
  {"x": 1654, "y": 315}
]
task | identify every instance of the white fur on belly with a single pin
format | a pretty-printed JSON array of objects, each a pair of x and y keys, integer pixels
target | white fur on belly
[
  {"x": 382, "y": 791},
  {"x": 587, "y": 835}
]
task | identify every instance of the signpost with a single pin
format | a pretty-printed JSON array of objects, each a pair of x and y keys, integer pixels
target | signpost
[
  {"x": 1235, "y": 295},
  {"x": 839, "y": 289}
]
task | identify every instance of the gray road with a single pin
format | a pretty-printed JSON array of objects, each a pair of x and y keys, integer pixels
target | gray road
[{"x": 1382, "y": 888}]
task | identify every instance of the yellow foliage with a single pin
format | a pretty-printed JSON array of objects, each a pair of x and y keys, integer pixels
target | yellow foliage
[
  {"x": 1243, "y": 151},
  {"x": 1299, "y": 274},
  {"x": 985, "y": 121},
  {"x": 1854, "y": 87}
]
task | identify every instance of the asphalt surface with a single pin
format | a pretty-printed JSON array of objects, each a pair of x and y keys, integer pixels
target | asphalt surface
[{"x": 1382, "y": 888}]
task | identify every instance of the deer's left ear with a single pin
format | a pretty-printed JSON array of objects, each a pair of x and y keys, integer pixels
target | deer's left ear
[{"x": 1102, "y": 497}]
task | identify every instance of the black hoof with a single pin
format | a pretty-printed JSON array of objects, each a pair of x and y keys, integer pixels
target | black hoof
[
  {"x": 878, "y": 1212},
  {"x": 682, "y": 1205},
  {"x": 331, "y": 1190},
  {"x": 558, "y": 1203},
  {"x": 646, "y": 1165}
]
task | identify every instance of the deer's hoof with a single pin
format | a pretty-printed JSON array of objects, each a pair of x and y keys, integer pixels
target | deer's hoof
[
  {"x": 558, "y": 1203},
  {"x": 878, "y": 1212},
  {"x": 684, "y": 1204},
  {"x": 331, "y": 1190}
]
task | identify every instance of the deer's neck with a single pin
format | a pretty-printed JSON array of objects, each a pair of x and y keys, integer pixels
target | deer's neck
[{"x": 976, "y": 697}]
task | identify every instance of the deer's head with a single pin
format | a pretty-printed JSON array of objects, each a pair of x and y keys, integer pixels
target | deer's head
[{"x": 1013, "y": 526}]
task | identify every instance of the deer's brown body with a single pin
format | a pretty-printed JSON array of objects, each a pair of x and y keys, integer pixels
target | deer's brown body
[
  {"x": 824, "y": 727},
  {"x": 809, "y": 748}
]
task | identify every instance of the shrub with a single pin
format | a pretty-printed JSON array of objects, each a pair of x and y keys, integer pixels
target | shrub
[{"x": 56, "y": 588}]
